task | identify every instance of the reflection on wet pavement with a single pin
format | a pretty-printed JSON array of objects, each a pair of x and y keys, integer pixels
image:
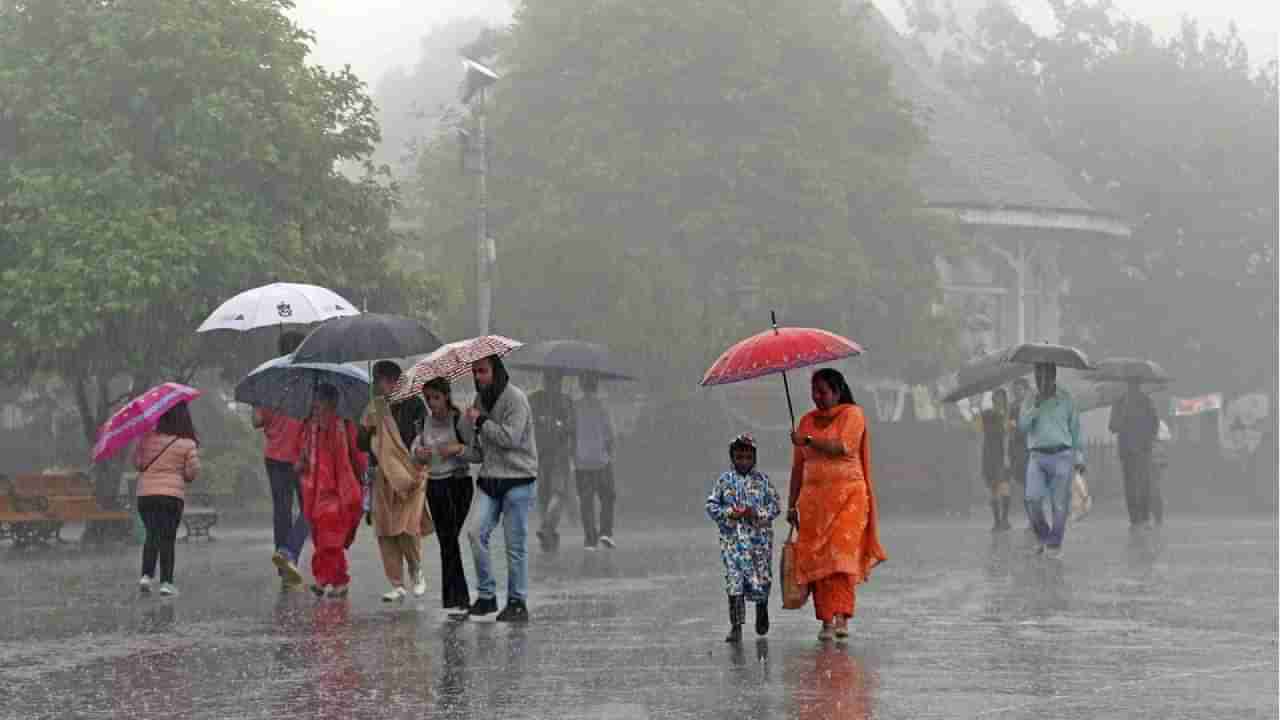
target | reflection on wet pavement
[{"x": 1180, "y": 622}]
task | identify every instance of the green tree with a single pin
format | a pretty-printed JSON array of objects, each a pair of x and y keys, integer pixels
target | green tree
[
  {"x": 1179, "y": 136},
  {"x": 157, "y": 157},
  {"x": 645, "y": 155}
]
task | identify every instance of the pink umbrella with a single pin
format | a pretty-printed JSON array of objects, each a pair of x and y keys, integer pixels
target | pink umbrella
[
  {"x": 138, "y": 416},
  {"x": 451, "y": 361}
]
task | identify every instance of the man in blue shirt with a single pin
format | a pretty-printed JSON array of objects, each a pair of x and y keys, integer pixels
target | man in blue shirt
[{"x": 1055, "y": 448}]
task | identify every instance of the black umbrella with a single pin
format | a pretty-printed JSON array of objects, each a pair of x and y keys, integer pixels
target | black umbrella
[
  {"x": 982, "y": 374},
  {"x": 1126, "y": 369},
  {"x": 571, "y": 357},
  {"x": 369, "y": 336},
  {"x": 1086, "y": 395},
  {"x": 1046, "y": 353}
]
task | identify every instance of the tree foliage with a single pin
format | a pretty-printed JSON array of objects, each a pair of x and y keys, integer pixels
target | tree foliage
[
  {"x": 657, "y": 166},
  {"x": 1180, "y": 136},
  {"x": 157, "y": 157}
]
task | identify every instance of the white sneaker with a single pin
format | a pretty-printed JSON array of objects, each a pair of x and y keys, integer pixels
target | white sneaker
[
  {"x": 144, "y": 585},
  {"x": 419, "y": 584},
  {"x": 608, "y": 542},
  {"x": 168, "y": 589},
  {"x": 396, "y": 595}
]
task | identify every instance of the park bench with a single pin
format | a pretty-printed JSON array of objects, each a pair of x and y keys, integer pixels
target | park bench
[
  {"x": 199, "y": 515},
  {"x": 50, "y": 501},
  {"x": 199, "y": 510},
  {"x": 24, "y": 520}
]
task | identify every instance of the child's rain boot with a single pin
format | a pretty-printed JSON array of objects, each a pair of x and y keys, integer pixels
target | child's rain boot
[{"x": 737, "y": 614}]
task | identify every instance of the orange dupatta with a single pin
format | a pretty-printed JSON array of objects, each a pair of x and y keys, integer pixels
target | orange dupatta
[{"x": 838, "y": 530}]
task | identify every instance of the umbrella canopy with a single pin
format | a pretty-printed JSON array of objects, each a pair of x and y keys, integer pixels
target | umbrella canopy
[
  {"x": 289, "y": 387},
  {"x": 571, "y": 357},
  {"x": 1046, "y": 353},
  {"x": 776, "y": 351},
  {"x": 368, "y": 336},
  {"x": 451, "y": 362},
  {"x": 1088, "y": 395},
  {"x": 277, "y": 304},
  {"x": 138, "y": 416},
  {"x": 1126, "y": 369},
  {"x": 983, "y": 374}
]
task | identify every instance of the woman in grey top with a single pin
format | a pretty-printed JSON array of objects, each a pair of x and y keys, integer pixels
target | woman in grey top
[
  {"x": 498, "y": 429},
  {"x": 439, "y": 447}
]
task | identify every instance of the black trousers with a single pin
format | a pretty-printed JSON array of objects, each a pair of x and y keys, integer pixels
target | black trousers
[
  {"x": 161, "y": 515},
  {"x": 1136, "y": 467},
  {"x": 1156, "y": 497},
  {"x": 449, "y": 502},
  {"x": 593, "y": 484}
]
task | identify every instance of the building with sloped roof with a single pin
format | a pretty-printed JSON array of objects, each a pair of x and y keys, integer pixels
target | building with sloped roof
[{"x": 1012, "y": 199}]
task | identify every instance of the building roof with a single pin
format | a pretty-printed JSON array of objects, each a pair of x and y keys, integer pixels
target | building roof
[{"x": 973, "y": 159}]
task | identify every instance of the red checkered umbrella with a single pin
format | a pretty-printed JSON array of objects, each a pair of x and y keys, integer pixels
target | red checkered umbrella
[
  {"x": 451, "y": 361},
  {"x": 777, "y": 351}
]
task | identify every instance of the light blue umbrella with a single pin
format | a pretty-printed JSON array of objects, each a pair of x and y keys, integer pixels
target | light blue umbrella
[{"x": 290, "y": 387}]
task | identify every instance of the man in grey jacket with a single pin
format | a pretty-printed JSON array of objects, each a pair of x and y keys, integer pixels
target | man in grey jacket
[{"x": 498, "y": 430}]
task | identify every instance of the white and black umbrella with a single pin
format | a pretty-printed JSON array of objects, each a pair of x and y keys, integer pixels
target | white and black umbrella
[{"x": 276, "y": 305}]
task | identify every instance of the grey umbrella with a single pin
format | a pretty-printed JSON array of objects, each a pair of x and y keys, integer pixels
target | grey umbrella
[
  {"x": 983, "y": 374},
  {"x": 1047, "y": 353},
  {"x": 290, "y": 387},
  {"x": 571, "y": 357},
  {"x": 1124, "y": 370},
  {"x": 1088, "y": 395}
]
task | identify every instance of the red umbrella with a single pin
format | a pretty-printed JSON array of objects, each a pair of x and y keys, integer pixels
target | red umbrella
[{"x": 777, "y": 351}]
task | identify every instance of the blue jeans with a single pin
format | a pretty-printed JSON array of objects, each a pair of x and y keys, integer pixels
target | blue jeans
[
  {"x": 290, "y": 533},
  {"x": 1049, "y": 476},
  {"x": 513, "y": 510}
]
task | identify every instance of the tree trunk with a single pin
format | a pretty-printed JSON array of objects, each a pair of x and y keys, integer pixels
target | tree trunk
[{"x": 106, "y": 475}]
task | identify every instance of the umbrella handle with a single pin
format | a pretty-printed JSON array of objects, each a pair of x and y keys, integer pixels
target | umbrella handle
[
  {"x": 790, "y": 409},
  {"x": 773, "y": 318}
]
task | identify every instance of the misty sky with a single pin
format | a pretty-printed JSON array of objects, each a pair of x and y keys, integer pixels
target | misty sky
[{"x": 374, "y": 36}]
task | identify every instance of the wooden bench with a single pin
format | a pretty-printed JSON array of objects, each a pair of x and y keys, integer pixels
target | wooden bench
[
  {"x": 24, "y": 519},
  {"x": 60, "y": 499}
]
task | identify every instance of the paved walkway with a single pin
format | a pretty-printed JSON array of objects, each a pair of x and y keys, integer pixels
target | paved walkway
[{"x": 959, "y": 624}]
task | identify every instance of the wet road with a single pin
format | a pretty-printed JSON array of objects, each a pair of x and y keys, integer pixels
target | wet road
[{"x": 959, "y": 624}]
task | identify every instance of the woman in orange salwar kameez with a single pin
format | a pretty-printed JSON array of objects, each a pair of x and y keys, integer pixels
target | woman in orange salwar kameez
[
  {"x": 330, "y": 468},
  {"x": 833, "y": 502}
]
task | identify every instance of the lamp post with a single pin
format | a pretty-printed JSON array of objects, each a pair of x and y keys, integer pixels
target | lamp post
[{"x": 478, "y": 77}]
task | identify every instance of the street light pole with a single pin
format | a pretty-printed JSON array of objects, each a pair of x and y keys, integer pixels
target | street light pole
[
  {"x": 484, "y": 257},
  {"x": 478, "y": 77}
]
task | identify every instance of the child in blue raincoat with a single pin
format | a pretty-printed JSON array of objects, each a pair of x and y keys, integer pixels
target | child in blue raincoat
[{"x": 744, "y": 505}]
